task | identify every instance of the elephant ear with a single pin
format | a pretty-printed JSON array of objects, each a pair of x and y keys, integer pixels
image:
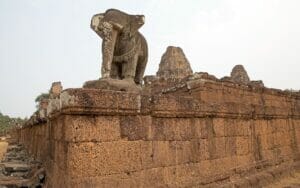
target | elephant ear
[
  {"x": 135, "y": 23},
  {"x": 95, "y": 22}
]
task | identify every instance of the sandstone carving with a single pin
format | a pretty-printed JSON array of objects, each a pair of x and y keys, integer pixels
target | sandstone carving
[
  {"x": 55, "y": 90},
  {"x": 54, "y": 101},
  {"x": 239, "y": 74},
  {"x": 124, "y": 49},
  {"x": 174, "y": 64},
  {"x": 42, "y": 111},
  {"x": 174, "y": 71}
]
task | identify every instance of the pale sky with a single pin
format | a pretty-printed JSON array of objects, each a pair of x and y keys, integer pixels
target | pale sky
[{"x": 42, "y": 41}]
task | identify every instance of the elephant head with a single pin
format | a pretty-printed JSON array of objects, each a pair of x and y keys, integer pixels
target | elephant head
[{"x": 109, "y": 26}]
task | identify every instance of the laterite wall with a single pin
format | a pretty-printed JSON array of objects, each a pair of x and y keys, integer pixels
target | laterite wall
[
  {"x": 35, "y": 140},
  {"x": 205, "y": 134}
]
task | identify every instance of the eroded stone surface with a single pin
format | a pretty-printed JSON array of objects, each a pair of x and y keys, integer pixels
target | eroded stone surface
[
  {"x": 174, "y": 64},
  {"x": 55, "y": 90},
  {"x": 239, "y": 74}
]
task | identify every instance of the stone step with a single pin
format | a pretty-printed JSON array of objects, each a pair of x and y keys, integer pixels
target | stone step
[
  {"x": 18, "y": 169},
  {"x": 10, "y": 167},
  {"x": 15, "y": 148}
]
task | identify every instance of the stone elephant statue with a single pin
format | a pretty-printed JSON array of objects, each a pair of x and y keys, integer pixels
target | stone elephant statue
[{"x": 124, "y": 49}]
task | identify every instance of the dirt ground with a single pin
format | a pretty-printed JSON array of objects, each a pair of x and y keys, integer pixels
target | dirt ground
[{"x": 3, "y": 147}]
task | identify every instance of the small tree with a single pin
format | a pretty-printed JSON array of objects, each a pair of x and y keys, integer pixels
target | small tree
[{"x": 40, "y": 97}]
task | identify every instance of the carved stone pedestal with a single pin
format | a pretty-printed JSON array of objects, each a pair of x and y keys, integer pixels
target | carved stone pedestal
[{"x": 113, "y": 84}]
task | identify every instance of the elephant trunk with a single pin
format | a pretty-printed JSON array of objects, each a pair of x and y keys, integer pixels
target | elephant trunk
[{"x": 108, "y": 46}]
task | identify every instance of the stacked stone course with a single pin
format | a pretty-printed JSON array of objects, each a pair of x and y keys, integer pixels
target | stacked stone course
[{"x": 212, "y": 134}]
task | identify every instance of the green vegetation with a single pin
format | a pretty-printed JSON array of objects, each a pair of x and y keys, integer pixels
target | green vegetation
[
  {"x": 41, "y": 97},
  {"x": 7, "y": 122}
]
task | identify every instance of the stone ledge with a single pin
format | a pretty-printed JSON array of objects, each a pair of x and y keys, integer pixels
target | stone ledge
[
  {"x": 202, "y": 82},
  {"x": 106, "y": 102},
  {"x": 95, "y": 101}
]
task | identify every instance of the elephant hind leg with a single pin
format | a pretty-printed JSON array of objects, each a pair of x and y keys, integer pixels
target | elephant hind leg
[
  {"x": 129, "y": 68},
  {"x": 140, "y": 70}
]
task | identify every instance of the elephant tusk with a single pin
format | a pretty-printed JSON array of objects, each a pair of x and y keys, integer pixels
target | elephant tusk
[{"x": 118, "y": 27}]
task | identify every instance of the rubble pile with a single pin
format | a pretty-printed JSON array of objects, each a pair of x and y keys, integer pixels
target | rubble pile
[{"x": 17, "y": 169}]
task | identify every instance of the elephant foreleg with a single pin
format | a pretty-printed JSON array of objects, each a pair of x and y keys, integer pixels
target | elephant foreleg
[{"x": 115, "y": 71}]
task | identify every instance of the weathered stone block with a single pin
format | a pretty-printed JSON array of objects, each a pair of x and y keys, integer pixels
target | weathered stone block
[
  {"x": 286, "y": 152},
  {"x": 162, "y": 129},
  {"x": 115, "y": 180},
  {"x": 271, "y": 127},
  {"x": 230, "y": 127},
  {"x": 157, "y": 154},
  {"x": 230, "y": 146},
  {"x": 60, "y": 154},
  {"x": 201, "y": 128},
  {"x": 244, "y": 160},
  {"x": 269, "y": 154},
  {"x": 90, "y": 159},
  {"x": 90, "y": 128},
  {"x": 270, "y": 141},
  {"x": 172, "y": 129},
  {"x": 205, "y": 169},
  {"x": 57, "y": 177},
  {"x": 128, "y": 101},
  {"x": 242, "y": 145},
  {"x": 188, "y": 175},
  {"x": 203, "y": 149},
  {"x": 169, "y": 174},
  {"x": 147, "y": 155},
  {"x": 154, "y": 177},
  {"x": 243, "y": 128},
  {"x": 56, "y": 127},
  {"x": 186, "y": 151},
  {"x": 185, "y": 129},
  {"x": 219, "y": 127},
  {"x": 264, "y": 142},
  {"x": 220, "y": 147},
  {"x": 223, "y": 165},
  {"x": 135, "y": 127}
]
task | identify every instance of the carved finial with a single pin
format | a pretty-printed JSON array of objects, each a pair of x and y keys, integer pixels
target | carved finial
[
  {"x": 174, "y": 64},
  {"x": 239, "y": 75}
]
